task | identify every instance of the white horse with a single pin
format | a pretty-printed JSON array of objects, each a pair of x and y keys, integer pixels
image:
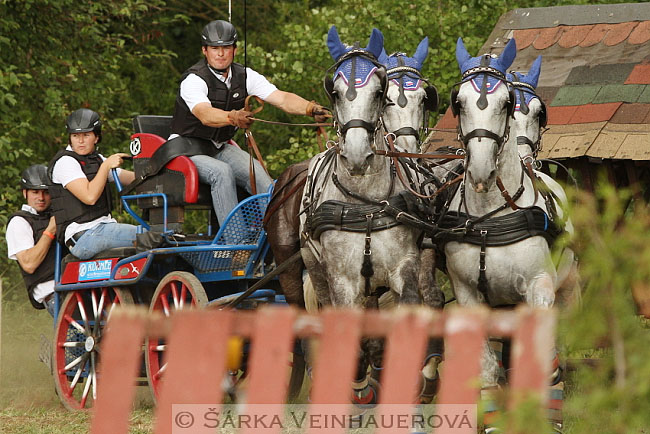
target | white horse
[
  {"x": 347, "y": 266},
  {"x": 528, "y": 121},
  {"x": 500, "y": 253}
]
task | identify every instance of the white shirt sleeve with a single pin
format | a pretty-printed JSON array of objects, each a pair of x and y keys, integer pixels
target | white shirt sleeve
[
  {"x": 258, "y": 85},
  {"x": 67, "y": 169},
  {"x": 20, "y": 236},
  {"x": 194, "y": 91}
]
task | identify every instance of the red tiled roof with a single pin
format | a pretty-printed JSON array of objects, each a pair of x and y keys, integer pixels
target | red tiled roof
[
  {"x": 634, "y": 32},
  {"x": 448, "y": 121},
  {"x": 631, "y": 114},
  {"x": 594, "y": 113},
  {"x": 560, "y": 115}
]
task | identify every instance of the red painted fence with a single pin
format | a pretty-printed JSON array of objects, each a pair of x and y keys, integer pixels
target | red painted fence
[{"x": 197, "y": 348}]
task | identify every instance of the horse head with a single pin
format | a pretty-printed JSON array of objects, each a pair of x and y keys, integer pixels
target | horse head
[
  {"x": 530, "y": 110},
  {"x": 408, "y": 98},
  {"x": 357, "y": 92},
  {"x": 484, "y": 105}
]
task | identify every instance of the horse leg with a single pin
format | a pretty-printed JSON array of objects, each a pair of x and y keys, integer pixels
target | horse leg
[
  {"x": 540, "y": 292},
  {"x": 404, "y": 281},
  {"x": 433, "y": 297},
  {"x": 569, "y": 292}
]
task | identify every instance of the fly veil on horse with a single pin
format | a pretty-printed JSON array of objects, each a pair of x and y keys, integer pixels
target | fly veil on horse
[
  {"x": 352, "y": 244},
  {"x": 529, "y": 119},
  {"x": 499, "y": 226}
]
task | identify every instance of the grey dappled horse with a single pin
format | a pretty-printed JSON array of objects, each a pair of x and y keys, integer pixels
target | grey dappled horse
[
  {"x": 503, "y": 257},
  {"x": 348, "y": 266},
  {"x": 526, "y": 125}
]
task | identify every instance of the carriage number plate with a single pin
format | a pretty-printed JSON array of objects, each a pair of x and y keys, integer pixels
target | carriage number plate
[{"x": 95, "y": 270}]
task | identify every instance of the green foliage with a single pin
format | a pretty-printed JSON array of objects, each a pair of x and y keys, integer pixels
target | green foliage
[{"x": 614, "y": 252}]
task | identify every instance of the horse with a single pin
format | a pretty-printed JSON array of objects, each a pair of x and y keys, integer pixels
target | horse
[
  {"x": 498, "y": 227},
  {"x": 526, "y": 126},
  {"x": 352, "y": 247}
]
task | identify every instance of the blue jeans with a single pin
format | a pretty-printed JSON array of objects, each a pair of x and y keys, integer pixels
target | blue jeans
[
  {"x": 229, "y": 169},
  {"x": 102, "y": 237}
]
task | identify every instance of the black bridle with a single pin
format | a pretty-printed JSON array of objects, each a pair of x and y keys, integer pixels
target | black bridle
[
  {"x": 520, "y": 88},
  {"x": 482, "y": 104},
  {"x": 351, "y": 92}
]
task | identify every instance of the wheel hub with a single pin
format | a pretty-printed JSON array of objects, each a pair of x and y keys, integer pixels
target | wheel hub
[{"x": 90, "y": 344}]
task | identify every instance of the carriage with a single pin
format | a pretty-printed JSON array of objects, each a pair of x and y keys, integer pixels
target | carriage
[{"x": 166, "y": 270}]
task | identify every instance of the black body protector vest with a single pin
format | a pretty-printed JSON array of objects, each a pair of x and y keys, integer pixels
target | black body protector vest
[
  {"x": 65, "y": 205},
  {"x": 187, "y": 125},
  {"x": 45, "y": 271}
]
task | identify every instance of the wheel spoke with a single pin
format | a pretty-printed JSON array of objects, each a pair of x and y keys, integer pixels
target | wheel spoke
[
  {"x": 82, "y": 312},
  {"x": 174, "y": 294},
  {"x": 93, "y": 374},
  {"x": 73, "y": 322},
  {"x": 77, "y": 375},
  {"x": 84, "y": 395},
  {"x": 165, "y": 304},
  {"x": 160, "y": 372},
  {"x": 73, "y": 344},
  {"x": 100, "y": 309},
  {"x": 160, "y": 347},
  {"x": 183, "y": 295},
  {"x": 75, "y": 362},
  {"x": 93, "y": 299}
]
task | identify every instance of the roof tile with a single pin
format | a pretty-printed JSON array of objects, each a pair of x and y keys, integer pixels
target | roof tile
[
  {"x": 547, "y": 37},
  {"x": 619, "y": 33},
  {"x": 600, "y": 74},
  {"x": 447, "y": 121},
  {"x": 619, "y": 93},
  {"x": 640, "y": 34},
  {"x": 573, "y": 35},
  {"x": 594, "y": 113},
  {"x": 560, "y": 115},
  {"x": 631, "y": 114},
  {"x": 546, "y": 93},
  {"x": 645, "y": 96},
  {"x": 595, "y": 35},
  {"x": 525, "y": 37},
  {"x": 639, "y": 75},
  {"x": 568, "y": 141},
  {"x": 575, "y": 95}
]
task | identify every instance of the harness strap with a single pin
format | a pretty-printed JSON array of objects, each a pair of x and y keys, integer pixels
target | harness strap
[
  {"x": 483, "y": 285},
  {"x": 357, "y": 123},
  {"x": 366, "y": 266},
  {"x": 272, "y": 210}
]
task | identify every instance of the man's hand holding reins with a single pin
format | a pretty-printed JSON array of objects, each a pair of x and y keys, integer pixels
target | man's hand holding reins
[
  {"x": 317, "y": 111},
  {"x": 240, "y": 118}
]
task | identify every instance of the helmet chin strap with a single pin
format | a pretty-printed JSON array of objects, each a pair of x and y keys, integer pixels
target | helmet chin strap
[{"x": 218, "y": 71}]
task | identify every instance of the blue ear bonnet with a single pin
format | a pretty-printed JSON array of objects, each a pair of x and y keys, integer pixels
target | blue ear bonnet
[
  {"x": 500, "y": 64},
  {"x": 411, "y": 80},
  {"x": 364, "y": 67},
  {"x": 530, "y": 79}
]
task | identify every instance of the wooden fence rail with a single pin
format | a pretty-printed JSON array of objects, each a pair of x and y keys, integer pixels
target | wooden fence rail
[{"x": 197, "y": 343}]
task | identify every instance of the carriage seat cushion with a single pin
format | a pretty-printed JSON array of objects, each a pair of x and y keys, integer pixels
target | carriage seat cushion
[{"x": 179, "y": 179}]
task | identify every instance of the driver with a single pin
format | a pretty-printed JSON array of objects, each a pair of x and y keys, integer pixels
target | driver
[{"x": 210, "y": 105}]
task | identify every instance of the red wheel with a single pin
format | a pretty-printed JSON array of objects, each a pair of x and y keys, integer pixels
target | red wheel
[
  {"x": 177, "y": 291},
  {"x": 77, "y": 337}
]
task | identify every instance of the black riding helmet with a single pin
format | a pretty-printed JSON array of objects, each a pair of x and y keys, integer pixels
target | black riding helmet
[
  {"x": 84, "y": 120},
  {"x": 219, "y": 33},
  {"x": 34, "y": 178}
]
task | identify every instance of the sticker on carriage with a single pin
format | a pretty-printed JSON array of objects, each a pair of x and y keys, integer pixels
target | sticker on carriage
[
  {"x": 95, "y": 270},
  {"x": 135, "y": 146}
]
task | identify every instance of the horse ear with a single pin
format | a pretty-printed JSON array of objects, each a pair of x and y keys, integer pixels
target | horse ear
[
  {"x": 509, "y": 53},
  {"x": 421, "y": 52},
  {"x": 462, "y": 55},
  {"x": 334, "y": 44},
  {"x": 533, "y": 74},
  {"x": 376, "y": 43},
  {"x": 383, "y": 57}
]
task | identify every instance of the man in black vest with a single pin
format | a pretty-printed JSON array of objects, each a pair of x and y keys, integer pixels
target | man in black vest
[
  {"x": 210, "y": 106},
  {"x": 30, "y": 238}
]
